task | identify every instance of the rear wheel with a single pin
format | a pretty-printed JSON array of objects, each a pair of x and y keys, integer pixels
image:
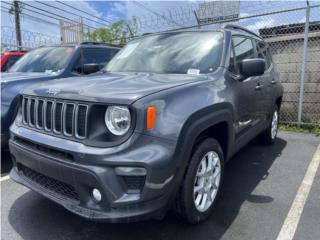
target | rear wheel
[
  {"x": 202, "y": 182},
  {"x": 269, "y": 136}
]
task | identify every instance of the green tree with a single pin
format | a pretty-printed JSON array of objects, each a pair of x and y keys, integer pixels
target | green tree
[{"x": 117, "y": 33}]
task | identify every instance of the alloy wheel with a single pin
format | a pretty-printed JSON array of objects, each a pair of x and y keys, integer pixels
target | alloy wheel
[{"x": 207, "y": 181}]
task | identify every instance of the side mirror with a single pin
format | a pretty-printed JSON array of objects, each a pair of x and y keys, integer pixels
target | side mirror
[
  {"x": 252, "y": 67},
  {"x": 90, "y": 68}
]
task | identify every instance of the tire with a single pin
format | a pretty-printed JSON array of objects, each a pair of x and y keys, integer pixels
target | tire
[
  {"x": 269, "y": 136},
  {"x": 186, "y": 204}
]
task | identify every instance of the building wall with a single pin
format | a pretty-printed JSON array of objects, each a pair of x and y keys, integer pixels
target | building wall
[{"x": 287, "y": 55}]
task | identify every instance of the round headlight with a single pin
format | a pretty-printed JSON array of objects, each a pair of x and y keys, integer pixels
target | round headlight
[{"x": 118, "y": 120}]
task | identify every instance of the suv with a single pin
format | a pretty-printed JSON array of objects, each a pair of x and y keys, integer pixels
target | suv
[
  {"x": 48, "y": 63},
  {"x": 154, "y": 132},
  {"x": 9, "y": 58}
]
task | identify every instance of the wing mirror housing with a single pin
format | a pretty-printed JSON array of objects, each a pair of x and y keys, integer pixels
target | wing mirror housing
[
  {"x": 90, "y": 68},
  {"x": 252, "y": 67}
]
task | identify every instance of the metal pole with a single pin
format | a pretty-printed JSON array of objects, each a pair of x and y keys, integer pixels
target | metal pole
[
  {"x": 304, "y": 63},
  {"x": 17, "y": 10}
]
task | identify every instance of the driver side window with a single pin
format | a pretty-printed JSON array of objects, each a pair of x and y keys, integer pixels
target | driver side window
[
  {"x": 243, "y": 48},
  {"x": 100, "y": 56},
  {"x": 77, "y": 66}
]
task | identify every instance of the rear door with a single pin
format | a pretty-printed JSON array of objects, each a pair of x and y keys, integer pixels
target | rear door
[{"x": 266, "y": 80}]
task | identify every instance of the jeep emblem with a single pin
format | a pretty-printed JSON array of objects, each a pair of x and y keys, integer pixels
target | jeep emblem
[{"x": 53, "y": 91}]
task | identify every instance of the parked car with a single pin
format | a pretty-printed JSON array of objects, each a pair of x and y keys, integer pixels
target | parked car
[
  {"x": 154, "y": 132},
  {"x": 9, "y": 58},
  {"x": 48, "y": 63}
]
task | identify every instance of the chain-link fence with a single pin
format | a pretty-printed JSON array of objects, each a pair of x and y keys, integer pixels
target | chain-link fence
[
  {"x": 295, "y": 48},
  {"x": 287, "y": 43}
]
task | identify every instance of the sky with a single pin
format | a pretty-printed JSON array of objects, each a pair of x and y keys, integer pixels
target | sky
[{"x": 152, "y": 15}]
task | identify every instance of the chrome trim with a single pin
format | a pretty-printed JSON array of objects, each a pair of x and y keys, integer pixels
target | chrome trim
[
  {"x": 29, "y": 112},
  {"x": 36, "y": 120},
  {"x": 23, "y": 109},
  {"x": 26, "y": 112}
]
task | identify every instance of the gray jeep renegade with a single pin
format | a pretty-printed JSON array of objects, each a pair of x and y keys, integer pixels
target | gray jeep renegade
[{"x": 153, "y": 130}]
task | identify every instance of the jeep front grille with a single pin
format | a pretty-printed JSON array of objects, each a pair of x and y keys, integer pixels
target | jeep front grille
[{"x": 56, "y": 116}]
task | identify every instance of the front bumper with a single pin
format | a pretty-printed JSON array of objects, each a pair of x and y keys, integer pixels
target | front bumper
[{"x": 66, "y": 172}]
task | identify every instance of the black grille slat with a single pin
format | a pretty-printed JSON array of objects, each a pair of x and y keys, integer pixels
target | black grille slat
[
  {"x": 40, "y": 113},
  {"x": 25, "y": 110},
  {"x": 48, "y": 115},
  {"x": 82, "y": 120},
  {"x": 49, "y": 183},
  {"x": 69, "y": 119},
  {"x": 58, "y": 117},
  {"x": 32, "y": 111}
]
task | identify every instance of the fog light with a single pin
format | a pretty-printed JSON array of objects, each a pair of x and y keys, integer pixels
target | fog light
[{"x": 96, "y": 194}]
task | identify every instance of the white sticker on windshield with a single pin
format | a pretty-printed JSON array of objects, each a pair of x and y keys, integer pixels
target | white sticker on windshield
[
  {"x": 193, "y": 71},
  {"x": 127, "y": 50}
]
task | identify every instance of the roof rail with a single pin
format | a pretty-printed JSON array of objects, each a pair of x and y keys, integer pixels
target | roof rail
[
  {"x": 98, "y": 43},
  {"x": 18, "y": 51},
  {"x": 236, "y": 27}
]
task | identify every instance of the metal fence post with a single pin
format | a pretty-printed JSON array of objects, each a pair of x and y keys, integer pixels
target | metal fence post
[{"x": 304, "y": 63}]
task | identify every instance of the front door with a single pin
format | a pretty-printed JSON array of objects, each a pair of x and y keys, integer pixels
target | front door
[{"x": 245, "y": 92}]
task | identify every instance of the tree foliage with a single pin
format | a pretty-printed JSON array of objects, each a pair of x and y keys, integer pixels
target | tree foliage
[{"x": 117, "y": 33}]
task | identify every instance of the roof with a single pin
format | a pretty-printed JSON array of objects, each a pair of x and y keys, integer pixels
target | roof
[
  {"x": 85, "y": 44},
  {"x": 230, "y": 27}
]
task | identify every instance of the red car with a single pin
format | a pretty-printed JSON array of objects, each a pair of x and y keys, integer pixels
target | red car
[{"x": 9, "y": 58}]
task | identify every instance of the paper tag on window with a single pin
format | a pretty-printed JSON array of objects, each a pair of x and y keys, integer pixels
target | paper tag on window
[{"x": 193, "y": 71}]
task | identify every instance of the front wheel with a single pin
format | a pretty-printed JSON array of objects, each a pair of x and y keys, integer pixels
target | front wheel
[
  {"x": 269, "y": 136},
  {"x": 202, "y": 182}
]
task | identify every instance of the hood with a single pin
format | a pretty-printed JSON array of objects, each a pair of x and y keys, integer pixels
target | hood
[
  {"x": 19, "y": 76},
  {"x": 111, "y": 88},
  {"x": 13, "y": 83}
]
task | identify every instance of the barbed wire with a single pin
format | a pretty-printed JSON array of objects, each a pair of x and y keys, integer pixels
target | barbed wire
[
  {"x": 281, "y": 25},
  {"x": 29, "y": 39}
]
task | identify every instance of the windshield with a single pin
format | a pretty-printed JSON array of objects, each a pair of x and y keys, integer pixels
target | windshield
[
  {"x": 46, "y": 59},
  {"x": 178, "y": 53}
]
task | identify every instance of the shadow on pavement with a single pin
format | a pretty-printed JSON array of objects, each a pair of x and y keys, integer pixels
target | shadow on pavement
[{"x": 34, "y": 217}]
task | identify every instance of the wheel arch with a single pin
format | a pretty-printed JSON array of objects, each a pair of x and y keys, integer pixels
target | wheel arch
[
  {"x": 199, "y": 123},
  {"x": 213, "y": 121}
]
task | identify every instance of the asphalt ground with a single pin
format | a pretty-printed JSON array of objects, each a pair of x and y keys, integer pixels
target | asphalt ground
[{"x": 260, "y": 187}]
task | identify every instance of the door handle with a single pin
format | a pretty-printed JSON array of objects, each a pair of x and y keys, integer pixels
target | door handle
[
  {"x": 258, "y": 87},
  {"x": 273, "y": 81}
]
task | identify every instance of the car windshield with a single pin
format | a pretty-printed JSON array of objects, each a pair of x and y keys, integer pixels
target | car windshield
[
  {"x": 45, "y": 59},
  {"x": 176, "y": 53}
]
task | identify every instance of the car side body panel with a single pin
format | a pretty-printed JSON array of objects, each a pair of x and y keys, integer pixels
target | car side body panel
[{"x": 188, "y": 108}]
